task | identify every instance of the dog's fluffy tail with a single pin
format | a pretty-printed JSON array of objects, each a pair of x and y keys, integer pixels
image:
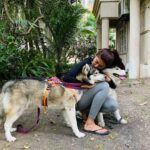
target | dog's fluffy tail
[{"x": 6, "y": 85}]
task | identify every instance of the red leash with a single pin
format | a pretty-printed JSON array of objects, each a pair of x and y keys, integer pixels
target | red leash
[{"x": 21, "y": 129}]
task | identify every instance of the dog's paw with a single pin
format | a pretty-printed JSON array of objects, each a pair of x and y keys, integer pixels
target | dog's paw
[
  {"x": 123, "y": 121},
  {"x": 13, "y": 129},
  {"x": 67, "y": 125},
  {"x": 11, "y": 139},
  {"x": 101, "y": 124},
  {"x": 80, "y": 135}
]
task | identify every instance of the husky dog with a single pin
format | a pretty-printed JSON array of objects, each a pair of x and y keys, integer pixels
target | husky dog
[
  {"x": 92, "y": 75},
  {"x": 116, "y": 74},
  {"x": 18, "y": 94}
]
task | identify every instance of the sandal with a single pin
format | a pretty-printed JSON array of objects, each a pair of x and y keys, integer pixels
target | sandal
[{"x": 98, "y": 133}]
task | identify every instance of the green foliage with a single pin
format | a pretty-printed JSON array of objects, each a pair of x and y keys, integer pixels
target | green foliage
[
  {"x": 88, "y": 25},
  {"x": 26, "y": 49},
  {"x": 23, "y": 25},
  {"x": 38, "y": 66},
  {"x": 20, "y": 63},
  {"x": 112, "y": 38},
  {"x": 9, "y": 60},
  {"x": 16, "y": 62},
  {"x": 62, "y": 19},
  {"x": 85, "y": 43}
]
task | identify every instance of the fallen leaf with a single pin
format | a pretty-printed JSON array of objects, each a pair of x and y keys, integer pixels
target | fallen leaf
[
  {"x": 126, "y": 117},
  {"x": 26, "y": 146},
  {"x": 8, "y": 145},
  {"x": 100, "y": 146},
  {"x": 92, "y": 139},
  {"x": 52, "y": 121},
  {"x": 35, "y": 135},
  {"x": 113, "y": 136},
  {"x": 144, "y": 103}
]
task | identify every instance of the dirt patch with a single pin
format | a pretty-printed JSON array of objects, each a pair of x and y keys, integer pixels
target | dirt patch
[{"x": 51, "y": 133}]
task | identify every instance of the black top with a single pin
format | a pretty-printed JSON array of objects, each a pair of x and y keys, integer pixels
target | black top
[{"x": 70, "y": 76}]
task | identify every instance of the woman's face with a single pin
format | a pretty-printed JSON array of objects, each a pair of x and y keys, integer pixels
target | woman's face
[{"x": 98, "y": 63}]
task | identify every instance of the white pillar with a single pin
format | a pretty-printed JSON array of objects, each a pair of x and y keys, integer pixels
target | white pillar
[
  {"x": 105, "y": 32},
  {"x": 98, "y": 38},
  {"x": 134, "y": 49}
]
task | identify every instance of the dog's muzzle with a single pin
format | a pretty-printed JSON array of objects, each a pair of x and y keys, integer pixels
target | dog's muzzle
[{"x": 121, "y": 77}]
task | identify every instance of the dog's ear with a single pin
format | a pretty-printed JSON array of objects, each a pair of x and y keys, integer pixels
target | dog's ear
[{"x": 85, "y": 69}]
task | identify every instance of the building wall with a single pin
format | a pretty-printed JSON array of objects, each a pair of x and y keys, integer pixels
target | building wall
[
  {"x": 122, "y": 40},
  {"x": 112, "y": 7},
  {"x": 123, "y": 34},
  {"x": 145, "y": 39}
]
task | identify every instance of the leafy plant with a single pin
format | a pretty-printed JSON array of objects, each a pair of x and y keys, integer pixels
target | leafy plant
[
  {"x": 62, "y": 19},
  {"x": 38, "y": 66},
  {"x": 36, "y": 37}
]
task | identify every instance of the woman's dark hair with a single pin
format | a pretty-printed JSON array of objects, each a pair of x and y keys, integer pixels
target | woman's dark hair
[
  {"x": 117, "y": 60},
  {"x": 106, "y": 55},
  {"x": 110, "y": 57}
]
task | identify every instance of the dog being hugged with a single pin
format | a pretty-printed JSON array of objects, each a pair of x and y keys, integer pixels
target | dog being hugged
[
  {"x": 117, "y": 75},
  {"x": 92, "y": 76},
  {"x": 18, "y": 94}
]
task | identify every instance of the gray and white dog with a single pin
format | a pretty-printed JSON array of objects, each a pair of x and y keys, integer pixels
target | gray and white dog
[
  {"x": 116, "y": 74},
  {"x": 18, "y": 94},
  {"x": 92, "y": 75}
]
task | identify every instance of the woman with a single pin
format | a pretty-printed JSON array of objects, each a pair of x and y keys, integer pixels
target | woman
[{"x": 95, "y": 99}]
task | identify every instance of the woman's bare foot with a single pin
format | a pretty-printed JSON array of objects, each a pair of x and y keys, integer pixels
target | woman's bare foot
[{"x": 90, "y": 126}]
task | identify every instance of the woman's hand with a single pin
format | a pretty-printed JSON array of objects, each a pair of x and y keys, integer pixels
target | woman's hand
[{"x": 107, "y": 78}]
